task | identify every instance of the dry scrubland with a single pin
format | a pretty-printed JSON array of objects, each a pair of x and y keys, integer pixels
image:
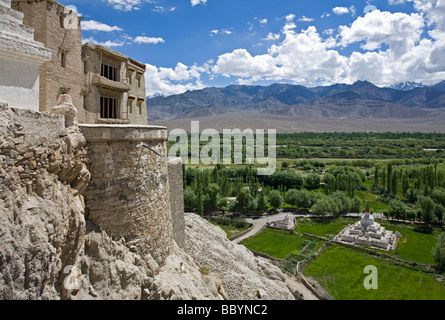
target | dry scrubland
[{"x": 286, "y": 124}]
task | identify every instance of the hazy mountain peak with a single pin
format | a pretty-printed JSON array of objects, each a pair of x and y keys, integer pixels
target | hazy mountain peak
[{"x": 406, "y": 86}]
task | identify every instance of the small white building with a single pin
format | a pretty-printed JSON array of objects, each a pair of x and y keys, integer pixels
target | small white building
[
  {"x": 20, "y": 59},
  {"x": 288, "y": 223}
]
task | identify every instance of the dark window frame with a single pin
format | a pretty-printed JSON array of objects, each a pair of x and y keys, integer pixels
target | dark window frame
[
  {"x": 109, "y": 72},
  {"x": 109, "y": 108}
]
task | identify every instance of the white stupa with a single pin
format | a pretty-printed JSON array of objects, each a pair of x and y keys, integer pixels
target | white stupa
[{"x": 369, "y": 233}]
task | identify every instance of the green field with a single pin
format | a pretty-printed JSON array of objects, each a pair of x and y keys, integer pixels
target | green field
[
  {"x": 414, "y": 246},
  {"x": 282, "y": 244},
  {"x": 275, "y": 243},
  {"x": 373, "y": 200},
  {"x": 327, "y": 228},
  {"x": 341, "y": 272}
]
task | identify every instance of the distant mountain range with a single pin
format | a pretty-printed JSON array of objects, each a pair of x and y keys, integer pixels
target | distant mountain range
[{"x": 361, "y": 100}]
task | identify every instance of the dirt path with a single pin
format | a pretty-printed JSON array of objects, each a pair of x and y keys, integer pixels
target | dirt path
[
  {"x": 307, "y": 294},
  {"x": 257, "y": 226}
]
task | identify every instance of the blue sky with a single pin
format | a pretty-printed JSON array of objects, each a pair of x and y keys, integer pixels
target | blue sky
[{"x": 192, "y": 44}]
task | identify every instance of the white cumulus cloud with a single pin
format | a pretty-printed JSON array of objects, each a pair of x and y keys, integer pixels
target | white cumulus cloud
[
  {"x": 307, "y": 58},
  {"x": 290, "y": 17},
  {"x": 130, "y": 5},
  {"x": 241, "y": 63},
  {"x": 148, "y": 40},
  {"x": 169, "y": 81},
  {"x": 340, "y": 10},
  {"x": 108, "y": 43},
  {"x": 377, "y": 28},
  {"x": 91, "y": 25},
  {"x": 305, "y": 19},
  {"x": 222, "y": 31},
  {"x": 272, "y": 36},
  {"x": 344, "y": 10}
]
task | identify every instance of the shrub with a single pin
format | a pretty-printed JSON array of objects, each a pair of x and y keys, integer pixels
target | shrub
[
  {"x": 244, "y": 200},
  {"x": 426, "y": 205},
  {"x": 439, "y": 251},
  {"x": 275, "y": 199},
  {"x": 397, "y": 209},
  {"x": 313, "y": 181},
  {"x": 325, "y": 206}
]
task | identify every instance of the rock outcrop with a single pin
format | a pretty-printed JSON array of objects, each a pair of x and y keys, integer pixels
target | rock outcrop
[
  {"x": 50, "y": 250},
  {"x": 244, "y": 276},
  {"x": 42, "y": 225}
]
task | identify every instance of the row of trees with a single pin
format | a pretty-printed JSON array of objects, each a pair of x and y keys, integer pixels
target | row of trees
[
  {"x": 417, "y": 191},
  {"x": 397, "y": 180},
  {"x": 319, "y": 203},
  {"x": 361, "y": 145},
  {"x": 425, "y": 209},
  {"x": 210, "y": 190}
]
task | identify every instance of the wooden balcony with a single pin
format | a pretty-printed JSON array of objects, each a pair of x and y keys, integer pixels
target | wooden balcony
[{"x": 105, "y": 83}]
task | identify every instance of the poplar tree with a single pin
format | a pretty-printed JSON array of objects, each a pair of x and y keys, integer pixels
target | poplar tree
[
  {"x": 439, "y": 251},
  {"x": 376, "y": 176},
  {"x": 261, "y": 203},
  {"x": 394, "y": 182},
  {"x": 199, "y": 196},
  {"x": 389, "y": 177},
  {"x": 405, "y": 183}
]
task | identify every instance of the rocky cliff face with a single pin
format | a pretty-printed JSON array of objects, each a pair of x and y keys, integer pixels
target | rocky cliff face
[
  {"x": 50, "y": 250},
  {"x": 42, "y": 225},
  {"x": 243, "y": 275}
]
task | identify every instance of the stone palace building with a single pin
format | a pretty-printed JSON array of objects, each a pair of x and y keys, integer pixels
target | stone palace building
[{"x": 106, "y": 86}]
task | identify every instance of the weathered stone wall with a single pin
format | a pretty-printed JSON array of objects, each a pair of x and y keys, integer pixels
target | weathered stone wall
[
  {"x": 129, "y": 191},
  {"x": 20, "y": 71},
  {"x": 175, "y": 182}
]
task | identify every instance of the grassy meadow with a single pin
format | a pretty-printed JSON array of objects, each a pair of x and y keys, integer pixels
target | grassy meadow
[{"x": 341, "y": 272}]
